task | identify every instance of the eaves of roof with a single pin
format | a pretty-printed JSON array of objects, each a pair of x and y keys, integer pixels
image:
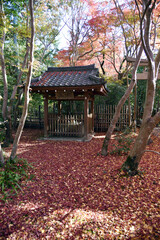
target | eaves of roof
[{"x": 69, "y": 77}]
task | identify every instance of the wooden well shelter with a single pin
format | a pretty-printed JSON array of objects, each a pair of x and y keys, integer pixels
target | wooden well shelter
[{"x": 79, "y": 83}]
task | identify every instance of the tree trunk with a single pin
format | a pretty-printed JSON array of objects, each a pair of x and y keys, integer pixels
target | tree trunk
[
  {"x": 8, "y": 134},
  {"x": 19, "y": 102},
  {"x": 148, "y": 122},
  {"x": 120, "y": 104},
  {"x": 131, "y": 164},
  {"x": 4, "y": 75},
  {"x": 1, "y": 156},
  {"x": 9, "y": 114},
  {"x": 27, "y": 85}
]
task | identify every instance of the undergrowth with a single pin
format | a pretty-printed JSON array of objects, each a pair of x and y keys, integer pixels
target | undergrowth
[
  {"x": 11, "y": 176},
  {"x": 123, "y": 144}
]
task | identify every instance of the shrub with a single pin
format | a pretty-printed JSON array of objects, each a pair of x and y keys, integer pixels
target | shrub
[
  {"x": 11, "y": 176},
  {"x": 123, "y": 144}
]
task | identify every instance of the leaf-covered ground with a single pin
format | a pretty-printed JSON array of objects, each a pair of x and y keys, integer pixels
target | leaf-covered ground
[{"x": 78, "y": 194}]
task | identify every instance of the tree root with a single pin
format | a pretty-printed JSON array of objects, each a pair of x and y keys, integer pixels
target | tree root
[
  {"x": 152, "y": 151},
  {"x": 130, "y": 166}
]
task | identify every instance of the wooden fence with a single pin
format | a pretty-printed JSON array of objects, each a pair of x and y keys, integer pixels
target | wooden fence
[
  {"x": 67, "y": 125},
  {"x": 73, "y": 124},
  {"x": 104, "y": 115},
  {"x": 35, "y": 118}
]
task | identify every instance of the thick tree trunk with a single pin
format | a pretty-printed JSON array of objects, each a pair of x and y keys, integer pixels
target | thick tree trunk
[
  {"x": 148, "y": 122},
  {"x": 27, "y": 85},
  {"x": 8, "y": 136},
  {"x": 131, "y": 164},
  {"x": 120, "y": 104}
]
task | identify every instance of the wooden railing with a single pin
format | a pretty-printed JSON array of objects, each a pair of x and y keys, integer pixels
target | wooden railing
[{"x": 67, "y": 125}]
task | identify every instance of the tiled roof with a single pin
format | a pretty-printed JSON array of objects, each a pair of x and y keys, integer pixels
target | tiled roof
[{"x": 68, "y": 77}]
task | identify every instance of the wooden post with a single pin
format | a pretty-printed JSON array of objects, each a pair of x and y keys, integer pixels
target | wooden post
[
  {"x": 129, "y": 105},
  {"x": 39, "y": 114},
  {"x": 59, "y": 108},
  {"x": 92, "y": 112},
  {"x": 86, "y": 120},
  {"x": 46, "y": 115}
]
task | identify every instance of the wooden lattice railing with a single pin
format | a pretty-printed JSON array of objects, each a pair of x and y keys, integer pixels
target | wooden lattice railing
[{"x": 67, "y": 125}]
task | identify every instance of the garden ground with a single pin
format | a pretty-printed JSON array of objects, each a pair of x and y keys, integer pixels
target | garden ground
[{"x": 78, "y": 194}]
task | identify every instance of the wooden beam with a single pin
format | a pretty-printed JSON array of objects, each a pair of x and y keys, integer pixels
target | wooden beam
[
  {"x": 83, "y": 88},
  {"x": 46, "y": 115},
  {"x": 143, "y": 62},
  {"x": 144, "y": 76},
  {"x": 79, "y": 98}
]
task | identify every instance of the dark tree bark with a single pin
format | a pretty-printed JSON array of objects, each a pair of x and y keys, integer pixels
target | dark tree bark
[{"x": 1, "y": 156}]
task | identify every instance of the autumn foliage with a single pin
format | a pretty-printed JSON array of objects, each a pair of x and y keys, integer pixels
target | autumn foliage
[{"x": 78, "y": 194}]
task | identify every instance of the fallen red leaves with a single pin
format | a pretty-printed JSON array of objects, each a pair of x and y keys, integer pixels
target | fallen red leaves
[{"x": 78, "y": 194}]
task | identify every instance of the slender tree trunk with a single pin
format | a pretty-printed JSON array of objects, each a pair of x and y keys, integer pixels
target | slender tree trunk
[
  {"x": 27, "y": 85},
  {"x": 3, "y": 68},
  {"x": 120, "y": 104},
  {"x": 4, "y": 75},
  {"x": 13, "y": 95},
  {"x": 19, "y": 101}
]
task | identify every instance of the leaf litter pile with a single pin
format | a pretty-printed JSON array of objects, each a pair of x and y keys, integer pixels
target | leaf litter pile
[{"x": 78, "y": 194}]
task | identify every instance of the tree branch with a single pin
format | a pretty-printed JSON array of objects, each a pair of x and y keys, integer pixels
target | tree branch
[{"x": 156, "y": 118}]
